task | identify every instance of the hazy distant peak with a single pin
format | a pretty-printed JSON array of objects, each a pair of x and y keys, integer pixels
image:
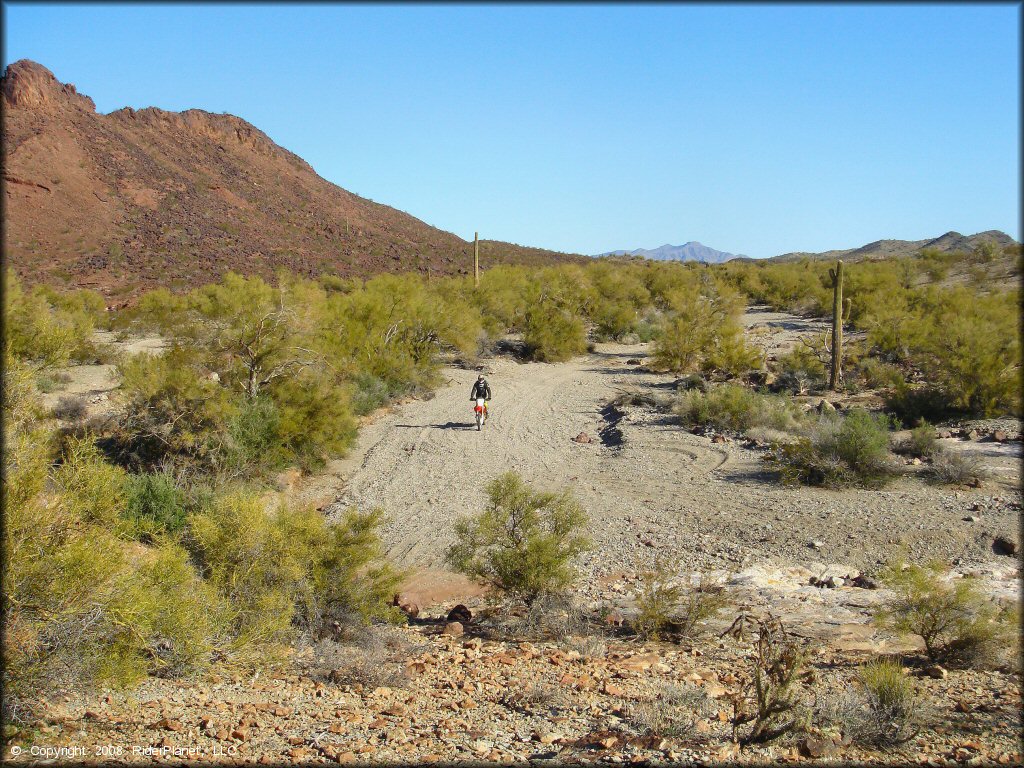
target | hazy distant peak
[{"x": 690, "y": 251}]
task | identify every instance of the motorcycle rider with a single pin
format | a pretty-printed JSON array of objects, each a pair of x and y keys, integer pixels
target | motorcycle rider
[{"x": 481, "y": 389}]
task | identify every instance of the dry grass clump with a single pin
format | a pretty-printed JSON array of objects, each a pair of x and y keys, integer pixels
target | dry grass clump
[
  {"x": 951, "y": 467},
  {"x": 369, "y": 656},
  {"x": 670, "y": 609},
  {"x": 672, "y": 713},
  {"x": 883, "y": 710},
  {"x": 554, "y": 616},
  {"x": 70, "y": 408}
]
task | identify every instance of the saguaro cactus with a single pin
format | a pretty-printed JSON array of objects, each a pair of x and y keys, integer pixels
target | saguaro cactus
[
  {"x": 476, "y": 259},
  {"x": 836, "y": 374}
]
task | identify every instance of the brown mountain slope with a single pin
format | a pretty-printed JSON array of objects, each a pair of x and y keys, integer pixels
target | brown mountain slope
[{"x": 136, "y": 199}]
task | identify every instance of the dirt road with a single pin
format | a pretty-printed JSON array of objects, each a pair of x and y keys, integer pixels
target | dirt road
[{"x": 650, "y": 487}]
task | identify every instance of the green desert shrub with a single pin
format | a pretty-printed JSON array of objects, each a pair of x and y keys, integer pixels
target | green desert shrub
[
  {"x": 921, "y": 442},
  {"x": 837, "y": 451},
  {"x": 877, "y": 374},
  {"x": 552, "y": 334},
  {"x": 253, "y": 431},
  {"x": 703, "y": 333},
  {"x": 735, "y": 407},
  {"x": 93, "y": 490},
  {"x": 666, "y": 607},
  {"x": 42, "y": 335},
  {"x": 314, "y": 419},
  {"x": 289, "y": 569},
  {"x": 154, "y": 504},
  {"x": 80, "y": 603},
  {"x": 956, "y": 622},
  {"x": 173, "y": 409},
  {"x": 369, "y": 393},
  {"x": 524, "y": 542}
]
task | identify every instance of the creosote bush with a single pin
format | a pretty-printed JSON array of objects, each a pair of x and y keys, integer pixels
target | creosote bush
[
  {"x": 736, "y": 408},
  {"x": 922, "y": 441},
  {"x": 154, "y": 504},
  {"x": 837, "y": 451},
  {"x": 524, "y": 542},
  {"x": 954, "y": 620}
]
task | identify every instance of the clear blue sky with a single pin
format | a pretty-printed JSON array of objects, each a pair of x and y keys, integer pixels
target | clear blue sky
[{"x": 754, "y": 129}]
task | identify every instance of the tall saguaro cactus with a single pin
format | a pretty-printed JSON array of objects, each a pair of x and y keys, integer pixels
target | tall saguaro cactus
[
  {"x": 476, "y": 259},
  {"x": 836, "y": 375}
]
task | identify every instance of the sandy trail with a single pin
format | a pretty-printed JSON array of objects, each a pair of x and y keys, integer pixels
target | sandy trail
[
  {"x": 662, "y": 491},
  {"x": 650, "y": 487}
]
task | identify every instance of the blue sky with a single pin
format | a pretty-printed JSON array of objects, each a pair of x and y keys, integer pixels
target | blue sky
[{"x": 755, "y": 129}]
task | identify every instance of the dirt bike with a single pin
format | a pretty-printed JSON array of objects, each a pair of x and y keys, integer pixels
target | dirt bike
[{"x": 481, "y": 413}]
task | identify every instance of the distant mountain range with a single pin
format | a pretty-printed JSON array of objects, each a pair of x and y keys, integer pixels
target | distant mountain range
[
  {"x": 879, "y": 249},
  {"x": 884, "y": 249},
  {"x": 692, "y": 251}
]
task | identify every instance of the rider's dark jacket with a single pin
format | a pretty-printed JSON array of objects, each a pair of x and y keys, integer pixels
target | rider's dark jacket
[{"x": 481, "y": 389}]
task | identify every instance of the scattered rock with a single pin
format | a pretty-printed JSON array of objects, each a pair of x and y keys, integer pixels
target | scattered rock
[
  {"x": 817, "y": 747},
  {"x": 863, "y": 582},
  {"x": 168, "y": 724},
  {"x": 633, "y": 361},
  {"x": 583, "y": 437},
  {"x": 406, "y": 606},
  {"x": 936, "y": 672},
  {"x": 718, "y": 439},
  {"x": 461, "y": 614},
  {"x": 453, "y": 628},
  {"x": 825, "y": 407},
  {"x": 1004, "y": 546},
  {"x": 816, "y": 544},
  {"x": 1000, "y": 436}
]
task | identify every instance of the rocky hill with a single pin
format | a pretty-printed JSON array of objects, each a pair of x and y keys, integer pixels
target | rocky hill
[
  {"x": 882, "y": 249},
  {"x": 135, "y": 199},
  {"x": 691, "y": 251}
]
